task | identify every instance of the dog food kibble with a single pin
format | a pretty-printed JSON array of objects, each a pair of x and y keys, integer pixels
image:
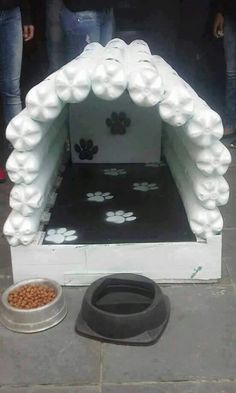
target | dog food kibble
[{"x": 31, "y": 296}]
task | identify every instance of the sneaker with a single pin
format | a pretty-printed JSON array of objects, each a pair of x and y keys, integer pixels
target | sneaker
[
  {"x": 233, "y": 144},
  {"x": 2, "y": 175}
]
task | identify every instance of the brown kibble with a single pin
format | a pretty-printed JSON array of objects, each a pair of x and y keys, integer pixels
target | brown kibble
[{"x": 31, "y": 296}]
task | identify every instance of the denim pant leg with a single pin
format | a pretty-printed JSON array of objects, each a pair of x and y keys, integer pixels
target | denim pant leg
[
  {"x": 80, "y": 28},
  {"x": 107, "y": 26},
  {"x": 10, "y": 61},
  {"x": 54, "y": 35},
  {"x": 230, "y": 57}
]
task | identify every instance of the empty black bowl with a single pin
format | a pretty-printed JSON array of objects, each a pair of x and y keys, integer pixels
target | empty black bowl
[{"x": 124, "y": 309}]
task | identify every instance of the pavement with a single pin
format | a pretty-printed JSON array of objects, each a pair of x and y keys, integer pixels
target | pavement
[{"x": 196, "y": 354}]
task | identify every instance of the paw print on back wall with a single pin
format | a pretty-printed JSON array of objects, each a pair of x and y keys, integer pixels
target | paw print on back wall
[
  {"x": 118, "y": 122},
  {"x": 114, "y": 172},
  {"x": 86, "y": 149}
]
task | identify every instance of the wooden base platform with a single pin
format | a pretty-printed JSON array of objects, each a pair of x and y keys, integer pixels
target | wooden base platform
[{"x": 120, "y": 218}]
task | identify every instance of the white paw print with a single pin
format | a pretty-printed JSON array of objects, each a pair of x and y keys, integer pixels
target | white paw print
[
  {"x": 145, "y": 186},
  {"x": 99, "y": 196},
  {"x": 114, "y": 172},
  {"x": 119, "y": 216},
  {"x": 60, "y": 235}
]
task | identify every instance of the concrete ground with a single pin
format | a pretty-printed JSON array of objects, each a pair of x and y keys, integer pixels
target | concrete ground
[{"x": 196, "y": 354}]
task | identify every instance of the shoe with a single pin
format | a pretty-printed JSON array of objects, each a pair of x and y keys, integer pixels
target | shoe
[
  {"x": 2, "y": 175},
  {"x": 233, "y": 144}
]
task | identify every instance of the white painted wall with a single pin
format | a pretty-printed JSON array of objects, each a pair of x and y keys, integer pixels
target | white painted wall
[{"x": 141, "y": 143}]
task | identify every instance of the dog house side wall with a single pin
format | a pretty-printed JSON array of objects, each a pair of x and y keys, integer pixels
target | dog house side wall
[
  {"x": 34, "y": 171},
  {"x": 199, "y": 180}
]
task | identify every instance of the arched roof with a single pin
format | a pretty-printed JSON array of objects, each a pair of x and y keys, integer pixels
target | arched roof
[{"x": 109, "y": 72}]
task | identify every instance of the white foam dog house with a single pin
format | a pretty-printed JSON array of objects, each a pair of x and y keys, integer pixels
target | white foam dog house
[{"x": 120, "y": 106}]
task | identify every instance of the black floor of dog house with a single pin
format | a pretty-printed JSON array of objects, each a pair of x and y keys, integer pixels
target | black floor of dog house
[{"x": 146, "y": 198}]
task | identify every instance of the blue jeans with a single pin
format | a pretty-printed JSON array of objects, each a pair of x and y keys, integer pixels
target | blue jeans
[
  {"x": 230, "y": 58},
  {"x": 81, "y": 28},
  {"x": 10, "y": 61},
  {"x": 55, "y": 35}
]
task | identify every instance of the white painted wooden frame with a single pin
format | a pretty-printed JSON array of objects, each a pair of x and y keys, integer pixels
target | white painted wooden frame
[{"x": 82, "y": 264}]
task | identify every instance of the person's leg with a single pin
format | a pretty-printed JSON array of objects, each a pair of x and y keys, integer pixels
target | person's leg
[
  {"x": 193, "y": 18},
  {"x": 10, "y": 62},
  {"x": 80, "y": 28},
  {"x": 54, "y": 35},
  {"x": 10, "y": 68},
  {"x": 230, "y": 58},
  {"x": 107, "y": 26}
]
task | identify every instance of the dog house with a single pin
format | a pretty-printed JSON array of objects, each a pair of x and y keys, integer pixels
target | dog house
[{"x": 117, "y": 167}]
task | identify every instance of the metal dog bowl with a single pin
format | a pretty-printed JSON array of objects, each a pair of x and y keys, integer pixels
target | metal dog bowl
[
  {"x": 35, "y": 319},
  {"x": 124, "y": 309}
]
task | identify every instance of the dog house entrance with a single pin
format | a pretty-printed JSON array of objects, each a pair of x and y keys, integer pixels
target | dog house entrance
[{"x": 116, "y": 203}]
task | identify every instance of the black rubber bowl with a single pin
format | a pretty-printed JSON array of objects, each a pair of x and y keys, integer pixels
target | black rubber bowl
[{"x": 124, "y": 309}]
